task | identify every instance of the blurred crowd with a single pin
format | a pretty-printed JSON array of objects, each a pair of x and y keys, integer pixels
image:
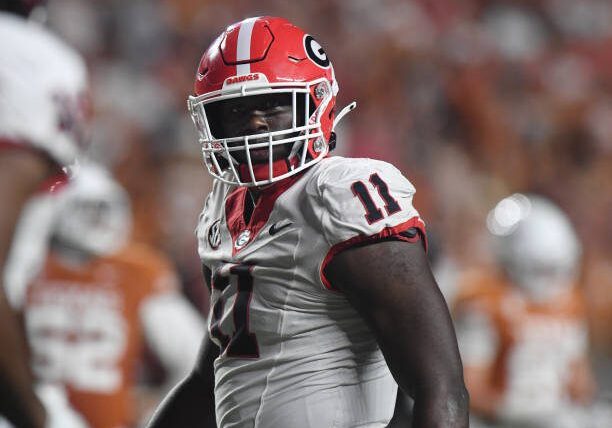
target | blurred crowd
[{"x": 472, "y": 100}]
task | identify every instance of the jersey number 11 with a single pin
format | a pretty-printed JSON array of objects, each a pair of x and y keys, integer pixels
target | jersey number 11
[
  {"x": 242, "y": 343},
  {"x": 373, "y": 213}
]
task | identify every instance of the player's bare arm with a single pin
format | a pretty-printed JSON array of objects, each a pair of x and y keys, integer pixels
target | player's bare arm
[
  {"x": 191, "y": 403},
  {"x": 391, "y": 285},
  {"x": 21, "y": 173}
]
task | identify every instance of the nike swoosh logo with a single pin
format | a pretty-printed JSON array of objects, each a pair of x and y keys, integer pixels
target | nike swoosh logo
[{"x": 275, "y": 228}]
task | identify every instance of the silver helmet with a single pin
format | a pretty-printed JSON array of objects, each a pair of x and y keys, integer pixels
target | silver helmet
[{"x": 536, "y": 244}]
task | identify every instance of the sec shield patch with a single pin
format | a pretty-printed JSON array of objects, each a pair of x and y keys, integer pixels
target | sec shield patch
[{"x": 214, "y": 235}]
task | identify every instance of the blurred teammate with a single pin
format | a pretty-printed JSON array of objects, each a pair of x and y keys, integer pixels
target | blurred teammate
[
  {"x": 522, "y": 330},
  {"x": 42, "y": 84},
  {"x": 98, "y": 303},
  {"x": 321, "y": 293}
]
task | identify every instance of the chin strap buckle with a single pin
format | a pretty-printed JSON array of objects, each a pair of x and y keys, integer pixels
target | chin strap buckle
[{"x": 332, "y": 141}]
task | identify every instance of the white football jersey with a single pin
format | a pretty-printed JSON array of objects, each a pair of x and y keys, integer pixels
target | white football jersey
[
  {"x": 42, "y": 88},
  {"x": 294, "y": 352}
]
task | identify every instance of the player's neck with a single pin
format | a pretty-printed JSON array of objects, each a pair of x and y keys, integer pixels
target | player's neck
[
  {"x": 255, "y": 194},
  {"x": 251, "y": 199}
]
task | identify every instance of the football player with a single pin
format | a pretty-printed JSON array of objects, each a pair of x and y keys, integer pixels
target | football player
[
  {"x": 42, "y": 84},
  {"x": 99, "y": 301},
  {"x": 321, "y": 295},
  {"x": 522, "y": 330}
]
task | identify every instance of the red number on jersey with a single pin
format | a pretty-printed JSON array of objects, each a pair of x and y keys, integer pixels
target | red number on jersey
[
  {"x": 242, "y": 343},
  {"x": 373, "y": 213}
]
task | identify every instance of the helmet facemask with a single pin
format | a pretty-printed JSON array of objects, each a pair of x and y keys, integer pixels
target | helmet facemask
[
  {"x": 96, "y": 226},
  {"x": 94, "y": 215},
  {"x": 230, "y": 157}
]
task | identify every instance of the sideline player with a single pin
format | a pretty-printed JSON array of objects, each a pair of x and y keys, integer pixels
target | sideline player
[
  {"x": 321, "y": 295},
  {"x": 42, "y": 83},
  {"x": 99, "y": 301},
  {"x": 522, "y": 330}
]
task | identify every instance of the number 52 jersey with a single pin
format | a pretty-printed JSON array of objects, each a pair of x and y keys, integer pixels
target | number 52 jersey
[{"x": 294, "y": 352}]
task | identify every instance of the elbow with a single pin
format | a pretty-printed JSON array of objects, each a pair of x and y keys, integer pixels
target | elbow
[
  {"x": 458, "y": 398},
  {"x": 459, "y": 408},
  {"x": 461, "y": 398},
  {"x": 442, "y": 405},
  {"x": 449, "y": 385}
]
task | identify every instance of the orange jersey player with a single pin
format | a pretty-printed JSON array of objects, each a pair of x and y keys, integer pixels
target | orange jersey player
[
  {"x": 522, "y": 332},
  {"x": 98, "y": 304}
]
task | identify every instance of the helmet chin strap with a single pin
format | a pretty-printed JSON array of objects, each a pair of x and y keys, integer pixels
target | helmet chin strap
[{"x": 261, "y": 170}]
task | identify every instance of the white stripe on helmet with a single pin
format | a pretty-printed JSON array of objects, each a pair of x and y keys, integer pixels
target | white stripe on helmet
[{"x": 243, "y": 49}]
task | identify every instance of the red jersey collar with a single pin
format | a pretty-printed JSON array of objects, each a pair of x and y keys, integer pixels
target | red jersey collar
[{"x": 235, "y": 205}]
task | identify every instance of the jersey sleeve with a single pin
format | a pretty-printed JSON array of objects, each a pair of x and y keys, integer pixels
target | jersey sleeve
[{"x": 364, "y": 201}]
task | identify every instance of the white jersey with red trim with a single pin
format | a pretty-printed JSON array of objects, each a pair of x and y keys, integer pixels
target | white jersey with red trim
[
  {"x": 294, "y": 352},
  {"x": 42, "y": 88}
]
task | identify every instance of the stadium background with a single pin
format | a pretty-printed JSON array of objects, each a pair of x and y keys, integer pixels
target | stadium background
[{"x": 472, "y": 100}]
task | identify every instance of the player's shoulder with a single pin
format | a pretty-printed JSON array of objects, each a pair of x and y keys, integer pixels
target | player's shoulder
[
  {"x": 342, "y": 172},
  {"x": 140, "y": 257},
  {"x": 149, "y": 270},
  {"x": 218, "y": 193},
  {"x": 341, "y": 168},
  {"x": 214, "y": 202}
]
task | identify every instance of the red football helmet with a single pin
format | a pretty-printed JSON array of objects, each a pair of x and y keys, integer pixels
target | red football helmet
[{"x": 265, "y": 55}]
